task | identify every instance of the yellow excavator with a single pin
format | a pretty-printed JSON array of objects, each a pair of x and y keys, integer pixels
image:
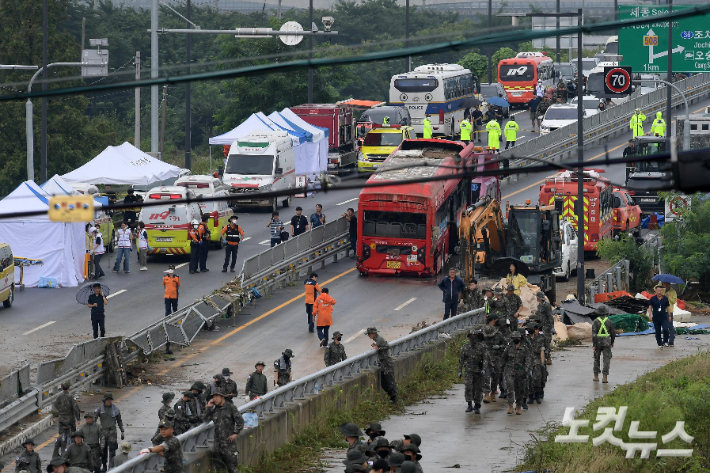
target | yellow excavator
[{"x": 530, "y": 240}]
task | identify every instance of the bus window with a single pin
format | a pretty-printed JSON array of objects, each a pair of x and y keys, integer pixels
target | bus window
[
  {"x": 394, "y": 224},
  {"x": 416, "y": 85},
  {"x": 517, "y": 73}
]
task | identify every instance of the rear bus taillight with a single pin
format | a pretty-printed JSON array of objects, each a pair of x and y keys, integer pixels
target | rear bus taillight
[
  {"x": 365, "y": 251},
  {"x": 421, "y": 255}
]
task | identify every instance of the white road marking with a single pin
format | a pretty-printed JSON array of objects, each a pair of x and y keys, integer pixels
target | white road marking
[
  {"x": 245, "y": 239},
  {"x": 116, "y": 293},
  {"x": 518, "y": 112},
  {"x": 406, "y": 303},
  {"x": 265, "y": 242},
  {"x": 181, "y": 265},
  {"x": 347, "y": 201},
  {"x": 38, "y": 328},
  {"x": 354, "y": 336}
]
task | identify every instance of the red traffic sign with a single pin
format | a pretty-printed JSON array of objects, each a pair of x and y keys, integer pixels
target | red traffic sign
[
  {"x": 617, "y": 80},
  {"x": 677, "y": 205}
]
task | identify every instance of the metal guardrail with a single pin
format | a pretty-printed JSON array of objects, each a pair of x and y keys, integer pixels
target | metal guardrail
[
  {"x": 615, "y": 278},
  {"x": 295, "y": 252},
  {"x": 563, "y": 141},
  {"x": 14, "y": 385},
  {"x": 202, "y": 436}
]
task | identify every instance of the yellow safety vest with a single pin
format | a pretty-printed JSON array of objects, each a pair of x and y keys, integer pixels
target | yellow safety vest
[{"x": 602, "y": 330}]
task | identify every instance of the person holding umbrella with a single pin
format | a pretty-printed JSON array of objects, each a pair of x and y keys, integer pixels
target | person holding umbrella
[
  {"x": 96, "y": 302},
  {"x": 659, "y": 313}
]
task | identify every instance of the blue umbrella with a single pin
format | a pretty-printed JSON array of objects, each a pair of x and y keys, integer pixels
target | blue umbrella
[
  {"x": 500, "y": 102},
  {"x": 668, "y": 278}
]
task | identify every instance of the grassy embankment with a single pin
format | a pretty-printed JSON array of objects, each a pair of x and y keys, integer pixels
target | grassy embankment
[
  {"x": 679, "y": 391},
  {"x": 429, "y": 379}
]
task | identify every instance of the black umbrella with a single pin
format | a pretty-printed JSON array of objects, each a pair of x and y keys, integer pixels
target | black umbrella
[
  {"x": 82, "y": 297},
  {"x": 501, "y": 267},
  {"x": 469, "y": 102}
]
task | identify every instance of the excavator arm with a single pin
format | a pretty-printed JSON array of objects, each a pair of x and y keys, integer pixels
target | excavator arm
[{"x": 482, "y": 235}]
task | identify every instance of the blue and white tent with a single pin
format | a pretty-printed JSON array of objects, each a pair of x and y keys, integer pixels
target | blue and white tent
[{"x": 60, "y": 245}]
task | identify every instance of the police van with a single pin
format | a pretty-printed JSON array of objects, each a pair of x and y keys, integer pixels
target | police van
[
  {"x": 206, "y": 187},
  {"x": 7, "y": 275},
  {"x": 262, "y": 161},
  {"x": 168, "y": 224}
]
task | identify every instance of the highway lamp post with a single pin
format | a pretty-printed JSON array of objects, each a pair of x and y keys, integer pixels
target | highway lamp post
[
  {"x": 188, "y": 116},
  {"x": 406, "y": 36},
  {"x": 581, "y": 296},
  {"x": 669, "y": 96},
  {"x": 310, "y": 53},
  {"x": 490, "y": 50}
]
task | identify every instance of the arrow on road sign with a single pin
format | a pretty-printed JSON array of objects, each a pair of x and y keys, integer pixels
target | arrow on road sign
[{"x": 652, "y": 56}]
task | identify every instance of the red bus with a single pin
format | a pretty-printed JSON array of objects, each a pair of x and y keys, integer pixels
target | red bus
[
  {"x": 412, "y": 228},
  {"x": 519, "y": 75}
]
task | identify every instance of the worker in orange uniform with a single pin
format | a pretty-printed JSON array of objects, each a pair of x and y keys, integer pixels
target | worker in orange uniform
[
  {"x": 171, "y": 281},
  {"x": 312, "y": 289},
  {"x": 323, "y": 312},
  {"x": 193, "y": 235},
  {"x": 232, "y": 234}
]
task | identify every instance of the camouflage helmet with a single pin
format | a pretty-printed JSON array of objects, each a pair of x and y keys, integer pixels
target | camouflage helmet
[
  {"x": 408, "y": 467},
  {"x": 355, "y": 457},
  {"x": 498, "y": 290},
  {"x": 396, "y": 459},
  {"x": 108, "y": 396},
  {"x": 165, "y": 424},
  {"x": 492, "y": 316},
  {"x": 167, "y": 397},
  {"x": 510, "y": 287},
  {"x": 351, "y": 430},
  {"x": 415, "y": 438},
  {"x": 515, "y": 335},
  {"x": 28, "y": 440},
  {"x": 371, "y": 330},
  {"x": 540, "y": 295},
  {"x": 66, "y": 385}
]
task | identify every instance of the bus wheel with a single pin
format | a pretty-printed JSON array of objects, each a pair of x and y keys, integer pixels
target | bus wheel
[{"x": 7, "y": 303}]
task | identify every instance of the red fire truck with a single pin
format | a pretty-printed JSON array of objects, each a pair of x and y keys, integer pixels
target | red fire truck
[{"x": 338, "y": 119}]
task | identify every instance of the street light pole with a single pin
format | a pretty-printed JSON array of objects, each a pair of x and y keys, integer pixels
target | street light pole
[
  {"x": 557, "y": 24},
  {"x": 154, "y": 64},
  {"x": 188, "y": 117},
  {"x": 406, "y": 35},
  {"x": 580, "y": 169},
  {"x": 669, "y": 96},
  {"x": 310, "y": 52},
  {"x": 45, "y": 59},
  {"x": 490, "y": 51}
]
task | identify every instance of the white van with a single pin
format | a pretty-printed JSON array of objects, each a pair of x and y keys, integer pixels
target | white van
[
  {"x": 569, "y": 251},
  {"x": 219, "y": 211},
  {"x": 168, "y": 224},
  {"x": 262, "y": 161}
]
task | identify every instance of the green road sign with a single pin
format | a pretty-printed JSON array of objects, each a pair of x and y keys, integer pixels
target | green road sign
[{"x": 645, "y": 47}]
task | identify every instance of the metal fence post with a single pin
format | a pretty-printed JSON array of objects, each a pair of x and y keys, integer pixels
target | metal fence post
[{"x": 626, "y": 274}]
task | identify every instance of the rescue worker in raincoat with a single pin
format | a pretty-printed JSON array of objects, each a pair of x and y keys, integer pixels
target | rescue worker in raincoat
[
  {"x": 466, "y": 130},
  {"x": 658, "y": 128},
  {"x": 427, "y": 128},
  {"x": 511, "y": 132},
  {"x": 636, "y": 123},
  {"x": 494, "y": 132}
]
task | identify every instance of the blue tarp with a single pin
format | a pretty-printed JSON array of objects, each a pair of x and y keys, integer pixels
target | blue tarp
[
  {"x": 652, "y": 330},
  {"x": 647, "y": 220}
]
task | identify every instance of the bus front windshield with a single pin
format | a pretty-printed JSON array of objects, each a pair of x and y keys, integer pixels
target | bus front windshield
[
  {"x": 394, "y": 224},
  {"x": 382, "y": 139},
  {"x": 516, "y": 73}
]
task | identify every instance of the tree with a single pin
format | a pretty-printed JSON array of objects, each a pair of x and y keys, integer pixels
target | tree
[
  {"x": 686, "y": 242},
  {"x": 640, "y": 259},
  {"x": 476, "y": 63}
]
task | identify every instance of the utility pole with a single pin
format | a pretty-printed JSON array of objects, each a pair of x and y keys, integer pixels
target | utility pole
[
  {"x": 45, "y": 59},
  {"x": 154, "y": 64},
  {"x": 188, "y": 118},
  {"x": 278, "y": 11},
  {"x": 137, "y": 131},
  {"x": 669, "y": 97},
  {"x": 580, "y": 169},
  {"x": 310, "y": 52},
  {"x": 490, "y": 50},
  {"x": 163, "y": 107},
  {"x": 406, "y": 35},
  {"x": 557, "y": 24}
]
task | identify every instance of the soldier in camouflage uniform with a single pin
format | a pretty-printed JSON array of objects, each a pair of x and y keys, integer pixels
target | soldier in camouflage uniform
[
  {"x": 122, "y": 457},
  {"x": 28, "y": 460},
  {"x": 335, "y": 351},
  {"x": 474, "y": 357},
  {"x": 352, "y": 434},
  {"x": 69, "y": 414},
  {"x": 527, "y": 343},
  {"x": 513, "y": 303},
  {"x": 256, "y": 385},
  {"x": 495, "y": 343},
  {"x": 228, "y": 422},
  {"x": 61, "y": 465},
  {"x": 473, "y": 297},
  {"x": 282, "y": 368},
  {"x": 79, "y": 454},
  {"x": 185, "y": 413},
  {"x": 386, "y": 363},
  {"x": 603, "y": 336},
  {"x": 229, "y": 385},
  {"x": 110, "y": 418},
  {"x": 93, "y": 433},
  {"x": 170, "y": 449},
  {"x": 169, "y": 415},
  {"x": 167, "y": 399},
  {"x": 517, "y": 365},
  {"x": 217, "y": 382},
  {"x": 497, "y": 304},
  {"x": 539, "y": 370},
  {"x": 544, "y": 317}
]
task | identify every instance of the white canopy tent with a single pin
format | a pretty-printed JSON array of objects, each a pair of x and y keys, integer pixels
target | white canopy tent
[
  {"x": 123, "y": 164},
  {"x": 253, "y": 123},
  {"x": 60, "y": 245},
  {"x": 318, "y": 144}
]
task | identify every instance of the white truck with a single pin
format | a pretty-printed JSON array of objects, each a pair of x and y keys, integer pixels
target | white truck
[
  {"x": 262, "y": 161},
  {"x": 569, "y": 251}
]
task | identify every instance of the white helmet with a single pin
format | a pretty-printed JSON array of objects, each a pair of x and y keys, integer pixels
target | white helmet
[{"x": 195, "y": 222}]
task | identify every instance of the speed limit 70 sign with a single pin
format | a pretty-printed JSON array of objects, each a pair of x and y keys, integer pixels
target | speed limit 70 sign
[{"x": 617, "y": 80}]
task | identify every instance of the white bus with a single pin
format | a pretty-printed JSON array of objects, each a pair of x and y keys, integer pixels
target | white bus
[{"x": 439, "y": 90}]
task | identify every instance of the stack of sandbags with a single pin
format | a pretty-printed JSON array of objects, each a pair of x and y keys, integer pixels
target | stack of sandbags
[
  {"x": 561, "y": 330},
  {"x": 528, "y": 295},
  {"x": 580, "y": 331}
]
